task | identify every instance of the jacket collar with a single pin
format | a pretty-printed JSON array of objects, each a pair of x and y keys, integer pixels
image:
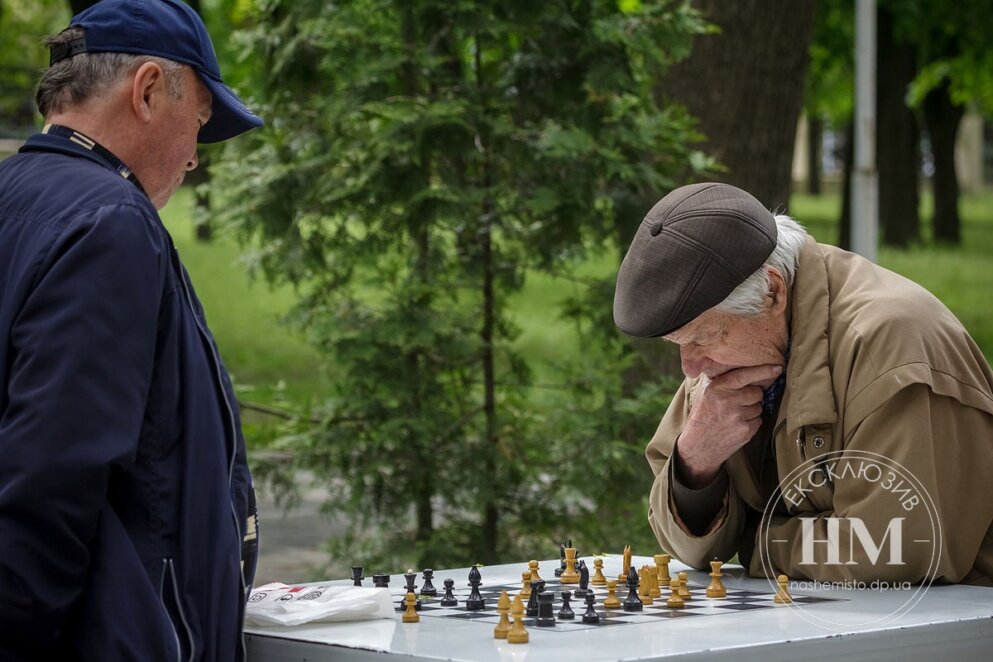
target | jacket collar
[
  {"x": 808, "y": 398},
  {"x": 55, "y": 138},
  {"x": 43, "y": 142}
]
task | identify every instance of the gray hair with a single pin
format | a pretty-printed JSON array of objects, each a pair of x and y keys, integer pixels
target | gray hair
[
  {"x": 86, "y": 75},
  {"x": 746, "y": 300}
]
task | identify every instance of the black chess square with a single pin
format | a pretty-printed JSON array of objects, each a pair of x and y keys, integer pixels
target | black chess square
[{"x": 671, "y": 613}]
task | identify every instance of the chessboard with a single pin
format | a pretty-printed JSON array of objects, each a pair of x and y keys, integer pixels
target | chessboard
[
  {"x": 737, "y": 600},
  {"x": 948, "y": 622}
]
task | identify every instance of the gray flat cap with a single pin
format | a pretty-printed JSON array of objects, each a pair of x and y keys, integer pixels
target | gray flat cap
[{"x": 694, "y": 247}]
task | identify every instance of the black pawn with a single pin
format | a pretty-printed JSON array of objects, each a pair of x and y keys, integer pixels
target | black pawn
[
  {"x": 633, "y": 602},
  {"x": 590, "y": 616},
  {"x": 475, "y": 601},
  {"x": 566, "y": 613},
  {"x": 532, "y": 607},
  {"x": 428, "y": 588},
  {"x": 559, "y": 570},
  {"x": 449, "y": 598},
  {"x": 381, "y": 581},
  {"x": 546, "y": 618},
  {"x": 357, "y": 575}
]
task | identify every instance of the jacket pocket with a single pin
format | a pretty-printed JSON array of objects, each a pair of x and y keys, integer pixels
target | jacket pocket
[{"x": 173, "y": 605}]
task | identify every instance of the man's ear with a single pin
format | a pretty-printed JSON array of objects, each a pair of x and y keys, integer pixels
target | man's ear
[
  {"x": 778, "y": 291},
  {"x": 147, "y": 84}
]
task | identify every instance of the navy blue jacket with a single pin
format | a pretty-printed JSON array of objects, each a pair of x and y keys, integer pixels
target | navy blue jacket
[{"x": 127, "y": 515}]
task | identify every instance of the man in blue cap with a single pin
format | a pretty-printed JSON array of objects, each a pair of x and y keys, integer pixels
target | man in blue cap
[{"x": 127, "y": 513}]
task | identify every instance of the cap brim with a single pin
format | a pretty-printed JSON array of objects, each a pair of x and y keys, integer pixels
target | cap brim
[{"x": 229, "y": 115}]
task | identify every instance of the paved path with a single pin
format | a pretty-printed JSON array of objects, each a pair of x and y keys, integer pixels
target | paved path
[{"x": 292, "y": 542}]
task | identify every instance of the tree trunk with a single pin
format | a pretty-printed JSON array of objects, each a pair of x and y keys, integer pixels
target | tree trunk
[
  {"x": 491, "y": 511},
  {"x": 943, "y": 117},
  {"x": 491, "y": 514},
  {"x": 848, "y": 161},
  {"x": 420, "y": 300},
  {"x": 897, "y": 138},
  {"x": 815, "y": 132},
  {"x": 745, "y": 85}
]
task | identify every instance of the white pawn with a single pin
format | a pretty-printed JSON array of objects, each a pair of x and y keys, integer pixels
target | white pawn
[{"x": 782, "y": 595}]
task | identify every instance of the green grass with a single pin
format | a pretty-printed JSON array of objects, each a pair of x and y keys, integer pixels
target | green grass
[
  {"x": 261, "y": 352},
  {"x": 546, "y": 339}
]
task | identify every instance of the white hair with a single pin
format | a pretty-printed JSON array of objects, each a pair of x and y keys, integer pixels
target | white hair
[{"x": 748, "y": 298}]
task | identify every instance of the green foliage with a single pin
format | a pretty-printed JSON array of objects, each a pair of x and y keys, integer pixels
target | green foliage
[
  {"x": 831, "y": 76},
  {"x": 420, "y": 157},
  {"x": 23, "y": 23},
  {"x": 952, "y": 39},
  {"x": 596, "y": 431},
  {"x": 222, "y": 18},
  {"x": 969, "y": 76}
]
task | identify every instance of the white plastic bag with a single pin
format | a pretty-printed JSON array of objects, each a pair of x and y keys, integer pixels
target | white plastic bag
[{"x": 280, "y": 604}]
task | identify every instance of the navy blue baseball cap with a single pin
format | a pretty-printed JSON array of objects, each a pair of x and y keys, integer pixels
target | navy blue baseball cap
[{"x": 168, "y": 29}]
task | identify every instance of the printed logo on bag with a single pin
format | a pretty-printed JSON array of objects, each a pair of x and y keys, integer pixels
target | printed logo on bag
[{"x": 873, "y": 548}]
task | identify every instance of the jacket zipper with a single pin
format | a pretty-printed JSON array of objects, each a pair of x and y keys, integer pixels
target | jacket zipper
[
  {"x": 167, "y": 566},
  {"x": 234, "y": 433}
]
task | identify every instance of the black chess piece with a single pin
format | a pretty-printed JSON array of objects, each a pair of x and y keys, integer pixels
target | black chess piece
[
  {"x": 475, "y": 601},
  {"x": 428, "y": 588},
  {"x": 448, "y": 600},
  {"x": 584, "y": 581},
  {"x": 546, "y": 618},
  {"x": 633, "y": 602},
  {"x": 532, "y": 606},
  {"x": 357, "y": 575},
  {"x": 559, "y": 570},
  {"x": 591, "y": 616},
  {"x": 381, "y": 581},
  {"x": 411, "y": 587},
  {"x": 566, "y": 613}
]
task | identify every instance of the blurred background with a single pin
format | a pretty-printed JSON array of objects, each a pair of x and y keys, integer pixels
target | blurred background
[{"x": 409, "y": 270}]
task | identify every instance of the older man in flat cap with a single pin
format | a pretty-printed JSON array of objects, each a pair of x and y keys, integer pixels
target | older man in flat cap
[
  {"x": 127, "y": 513},
  {"x": 836, "y": 420}
]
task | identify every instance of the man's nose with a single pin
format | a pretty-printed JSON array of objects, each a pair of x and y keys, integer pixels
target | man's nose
[
  {"x": 692, "y": 360},
  {"x": 193, "y": 162}
]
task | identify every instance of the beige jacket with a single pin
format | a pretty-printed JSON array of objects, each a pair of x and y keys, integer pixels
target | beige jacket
[{"x": 877, "y": 366}]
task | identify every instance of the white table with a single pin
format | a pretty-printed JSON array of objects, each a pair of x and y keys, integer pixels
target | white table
[{"x": 941, "y": 622}]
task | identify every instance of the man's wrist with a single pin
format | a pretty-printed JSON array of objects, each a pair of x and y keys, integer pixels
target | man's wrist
[
  {"x": 693, "y": 477},
  {"x": 697, "y": 507}
]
